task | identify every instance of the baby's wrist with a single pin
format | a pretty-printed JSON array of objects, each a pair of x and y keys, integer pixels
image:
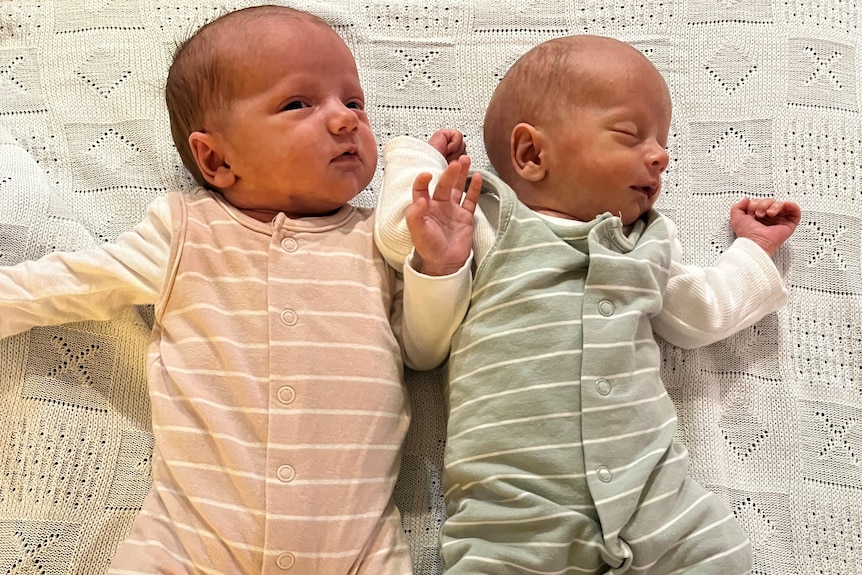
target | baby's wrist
[
  {"x": 769, "y": 247},
  {"x": 445, "y": 269},
  {"x": 432, "y": 267}
]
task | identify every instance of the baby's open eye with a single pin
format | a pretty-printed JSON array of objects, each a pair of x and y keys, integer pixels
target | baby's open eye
[
  {"x": 355, "y": 105},
  {"x": 294, "y": 105}
]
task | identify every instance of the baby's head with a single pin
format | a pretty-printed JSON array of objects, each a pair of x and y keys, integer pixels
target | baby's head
[
  {"x": 266, "y": 108},
  {"x": 578, "y": 127}
]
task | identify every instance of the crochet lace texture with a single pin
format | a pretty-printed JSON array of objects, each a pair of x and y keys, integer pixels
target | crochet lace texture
[{"x": 767, "y": 100}]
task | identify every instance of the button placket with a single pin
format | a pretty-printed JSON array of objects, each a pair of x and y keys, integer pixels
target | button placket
[{"x": 286, "y": 395}]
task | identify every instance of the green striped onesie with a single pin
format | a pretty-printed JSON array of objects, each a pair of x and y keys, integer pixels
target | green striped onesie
[{"x": 560, "y": 457}]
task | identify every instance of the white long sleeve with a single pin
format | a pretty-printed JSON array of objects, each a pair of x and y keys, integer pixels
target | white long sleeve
[
  {"x": 93, "y": 284},
  {"x": 703, "y": 305},
  {"x": 433, "y": 307}
]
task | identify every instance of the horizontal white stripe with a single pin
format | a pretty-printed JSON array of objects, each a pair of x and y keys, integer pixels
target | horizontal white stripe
[
  {"x": 243, "y": 279},
  {"x": 505, "y": 422},
  {"x": 238, "y": 544},
  {"x": 215, "y": 373},
  {"x": 332, "y": 345},
  {"x": 525, "y": 494},
  {"x": 220, "y": 340},
  {"x": 530, "y": 449},
  {"x": 321, "y": 377},
  {"x": 501, "y": 563},
  {"x": 317, "y": 253},
  {"x": 657, "y": 499},
  {"x": 627, "y": 404},
  {"x": 243, "y": 375},
  {"x": 515, "y": 361},
  {"x": 647, "y": 431},
  {"x": 172, "y": 524},
  {"x": 634, "y": 257},
  {"x": 509, "y": 332},
  {"x": 177, "y": 464},
  {"x": 217, "y": 309},
  {"x": 232, "y": 408},
  {"x": 522, "y": 300},
  {"x": 531, "y": 247},
  {"x": 722, "y": 555},
  {"x": 623, "y": 374},
  {"x": 226, "y": 249},
  {"x": 522, "y": 476},
  {"x": 519, "y": 521},
  {"x": 150, "y": 543},
  {"x": 536, "y": 271},
  {"x": 387, "y": 481},
  {"x": 208, "y": 224},
  {"x": 276, "y": 411},
  {"x": 626, "y": 467},
  {"x": 272, "y": 445},
  {"x": 667, "y": 523},
  {"x": 329, "y": 283},
  {"x": 621, "y": 495},
  {"x": 620, "y": 344},
  {"x": 338, "y": 314},
  {"x": 340, "y": 555},
  {"x": 614, "y": 316},
  {"x": 515, "y": 391},
  {"x": 619, "y": 288}
]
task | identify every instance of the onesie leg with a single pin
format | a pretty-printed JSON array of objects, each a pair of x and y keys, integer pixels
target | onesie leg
[
  {"x": 691, "y": 532},
  {"x": 526, "y": 535}
]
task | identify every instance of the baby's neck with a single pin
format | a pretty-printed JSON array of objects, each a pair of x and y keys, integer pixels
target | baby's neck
[
  {"x": 554, "y": 214},
  {"x": 267, "y": 216}
]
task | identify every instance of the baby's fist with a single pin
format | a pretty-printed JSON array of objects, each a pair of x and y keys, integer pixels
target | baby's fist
[
  {"x": 450, "y": 143},
  {"x": 765, "y": 221}
]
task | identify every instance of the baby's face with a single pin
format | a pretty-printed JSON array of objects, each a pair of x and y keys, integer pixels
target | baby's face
[
  {"x": 608, "y": 155},
  {"x": 296, "y": 135}
]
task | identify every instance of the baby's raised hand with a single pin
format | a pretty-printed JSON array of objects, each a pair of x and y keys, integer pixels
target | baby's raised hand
[
  {"x": 450, "y": 143},
  {"x": 765, "y": 221},
  {"x": 441, "y": 224}
]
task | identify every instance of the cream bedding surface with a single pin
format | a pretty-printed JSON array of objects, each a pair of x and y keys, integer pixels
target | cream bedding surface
[{"x": 767, "y": 103}]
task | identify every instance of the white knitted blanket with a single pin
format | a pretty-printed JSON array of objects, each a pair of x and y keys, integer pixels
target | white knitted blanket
[{"x": 767, "y": 102}]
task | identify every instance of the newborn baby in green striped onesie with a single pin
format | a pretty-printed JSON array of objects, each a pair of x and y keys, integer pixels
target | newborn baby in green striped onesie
[{"x": 560, "y": 455}]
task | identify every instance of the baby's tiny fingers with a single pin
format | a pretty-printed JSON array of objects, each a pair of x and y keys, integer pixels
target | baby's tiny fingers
[{"x": 775, "y": 208}]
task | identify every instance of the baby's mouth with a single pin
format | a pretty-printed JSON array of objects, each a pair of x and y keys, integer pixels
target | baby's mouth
[
  {"x": 648, "y": 191},
  {"x": 349, "y": 154}
]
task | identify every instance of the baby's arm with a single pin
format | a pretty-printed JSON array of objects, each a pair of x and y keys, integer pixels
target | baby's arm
[
  {"x": 766, "y": 222},
  {"x": 93, "y": 284},
  {"x": 433, "y": 307},
  {"x": 703, "y": 305}
]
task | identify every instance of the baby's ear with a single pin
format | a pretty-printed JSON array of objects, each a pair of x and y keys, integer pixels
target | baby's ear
[
  {"x": 208, "y": 151},
  {"x": 527, "y": 147}
]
